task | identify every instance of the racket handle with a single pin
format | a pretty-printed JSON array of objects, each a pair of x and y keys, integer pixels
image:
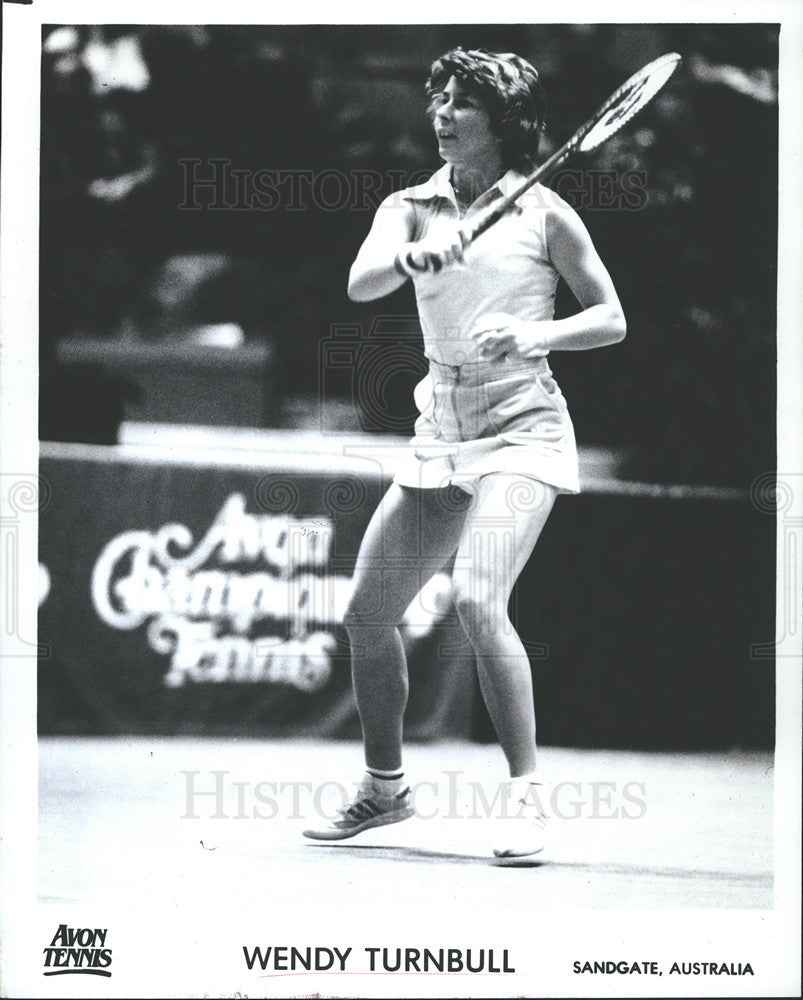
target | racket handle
[
  {"x": 472, "y": 228},
  {"x": 485, "y": 219},
  {"x": 406, "y": 266}
]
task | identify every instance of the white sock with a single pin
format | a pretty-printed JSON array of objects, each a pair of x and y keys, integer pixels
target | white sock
[
  {"x": 531, "y": 789},
  {"x": 387, "y": 782}
]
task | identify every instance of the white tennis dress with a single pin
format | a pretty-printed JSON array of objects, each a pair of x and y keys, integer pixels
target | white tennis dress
[{"x": 476, "y": 416}]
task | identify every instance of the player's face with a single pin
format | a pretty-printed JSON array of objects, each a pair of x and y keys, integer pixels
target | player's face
[{"x": 462, "y": 125}]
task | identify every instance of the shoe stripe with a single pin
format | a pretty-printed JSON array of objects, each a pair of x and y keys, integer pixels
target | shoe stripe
[{"x": 363, "y": 809}]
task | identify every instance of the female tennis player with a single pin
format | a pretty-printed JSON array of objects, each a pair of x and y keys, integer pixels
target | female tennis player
[{"x": 494, "y": 444}]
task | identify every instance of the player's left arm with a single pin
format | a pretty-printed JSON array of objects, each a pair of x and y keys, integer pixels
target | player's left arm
[
  {"x": 600, "y": 321},
  {"x": 574, "y": 256}
]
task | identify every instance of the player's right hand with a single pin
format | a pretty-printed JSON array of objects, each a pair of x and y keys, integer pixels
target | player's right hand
[{"x": 434, "y": 252}]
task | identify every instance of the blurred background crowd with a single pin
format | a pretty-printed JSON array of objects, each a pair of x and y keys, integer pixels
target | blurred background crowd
[{"x": 210, "y": 186}]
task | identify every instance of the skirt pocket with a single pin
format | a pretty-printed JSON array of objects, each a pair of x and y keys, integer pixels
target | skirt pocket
[
  {"x": 524, "y": 410},
  {"x": 550, "y": 391}
]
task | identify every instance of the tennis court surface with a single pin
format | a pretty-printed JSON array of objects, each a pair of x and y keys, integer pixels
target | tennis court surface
[{"x": 161, "y": 819}]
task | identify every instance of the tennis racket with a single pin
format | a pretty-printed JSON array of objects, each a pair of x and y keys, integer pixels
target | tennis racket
[
  {"x": 617, "y": 111},
  {"x": 626, "y": 102}
]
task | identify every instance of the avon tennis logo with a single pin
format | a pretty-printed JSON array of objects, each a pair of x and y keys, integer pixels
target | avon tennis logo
[{"x": 78, "y": 951}]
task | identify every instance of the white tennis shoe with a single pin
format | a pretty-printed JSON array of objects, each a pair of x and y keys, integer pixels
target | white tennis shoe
[
  {"x": 522, "y": 830},
  {"x": 368, "y": 809}
]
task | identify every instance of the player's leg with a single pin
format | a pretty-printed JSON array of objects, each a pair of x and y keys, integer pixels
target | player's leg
[
  {"x": 507, "y": 517},
  {"x": 410, "y": 537},
  {"x": 506, "y": 520}
]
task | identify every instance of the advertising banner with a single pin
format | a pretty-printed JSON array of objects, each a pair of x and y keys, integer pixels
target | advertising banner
[{"x": 186, "y": 599}]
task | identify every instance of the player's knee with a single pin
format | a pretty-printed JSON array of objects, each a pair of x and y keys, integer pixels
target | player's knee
[
  {"x": 476, "y": 609},
  {"x": 365, "y": 611}
]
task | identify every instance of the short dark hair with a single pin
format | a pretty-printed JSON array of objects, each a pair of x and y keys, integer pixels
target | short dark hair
[{"x": 509, "y": 88}]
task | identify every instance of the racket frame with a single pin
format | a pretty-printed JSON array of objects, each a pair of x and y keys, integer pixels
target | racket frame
[{"x": 484, "y": 220}]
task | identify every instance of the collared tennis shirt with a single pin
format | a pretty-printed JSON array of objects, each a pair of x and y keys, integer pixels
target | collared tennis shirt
[
  {"x": 507, "y": 270},
  {"x": 478, "y": 417}
]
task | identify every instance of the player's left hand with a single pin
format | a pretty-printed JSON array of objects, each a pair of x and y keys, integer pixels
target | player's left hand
[{"x": 498, "y": 334}]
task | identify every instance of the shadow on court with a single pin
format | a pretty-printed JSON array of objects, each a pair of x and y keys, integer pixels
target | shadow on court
[{"x": 416, "y": 855}]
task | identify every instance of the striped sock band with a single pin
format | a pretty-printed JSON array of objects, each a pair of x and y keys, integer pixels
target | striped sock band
[{"x": 385, "y": 775}]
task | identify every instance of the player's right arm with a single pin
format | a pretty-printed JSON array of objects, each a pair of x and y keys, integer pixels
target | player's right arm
[
  {"x": 387, "y": 257},
  {"x": 374, "y": 272}
]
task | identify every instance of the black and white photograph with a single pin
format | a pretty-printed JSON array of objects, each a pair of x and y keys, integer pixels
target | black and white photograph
[{"x": 401, "y": 501}]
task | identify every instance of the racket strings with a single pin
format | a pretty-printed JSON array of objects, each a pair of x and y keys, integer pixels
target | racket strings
[{"x": 631, "y": 97}]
